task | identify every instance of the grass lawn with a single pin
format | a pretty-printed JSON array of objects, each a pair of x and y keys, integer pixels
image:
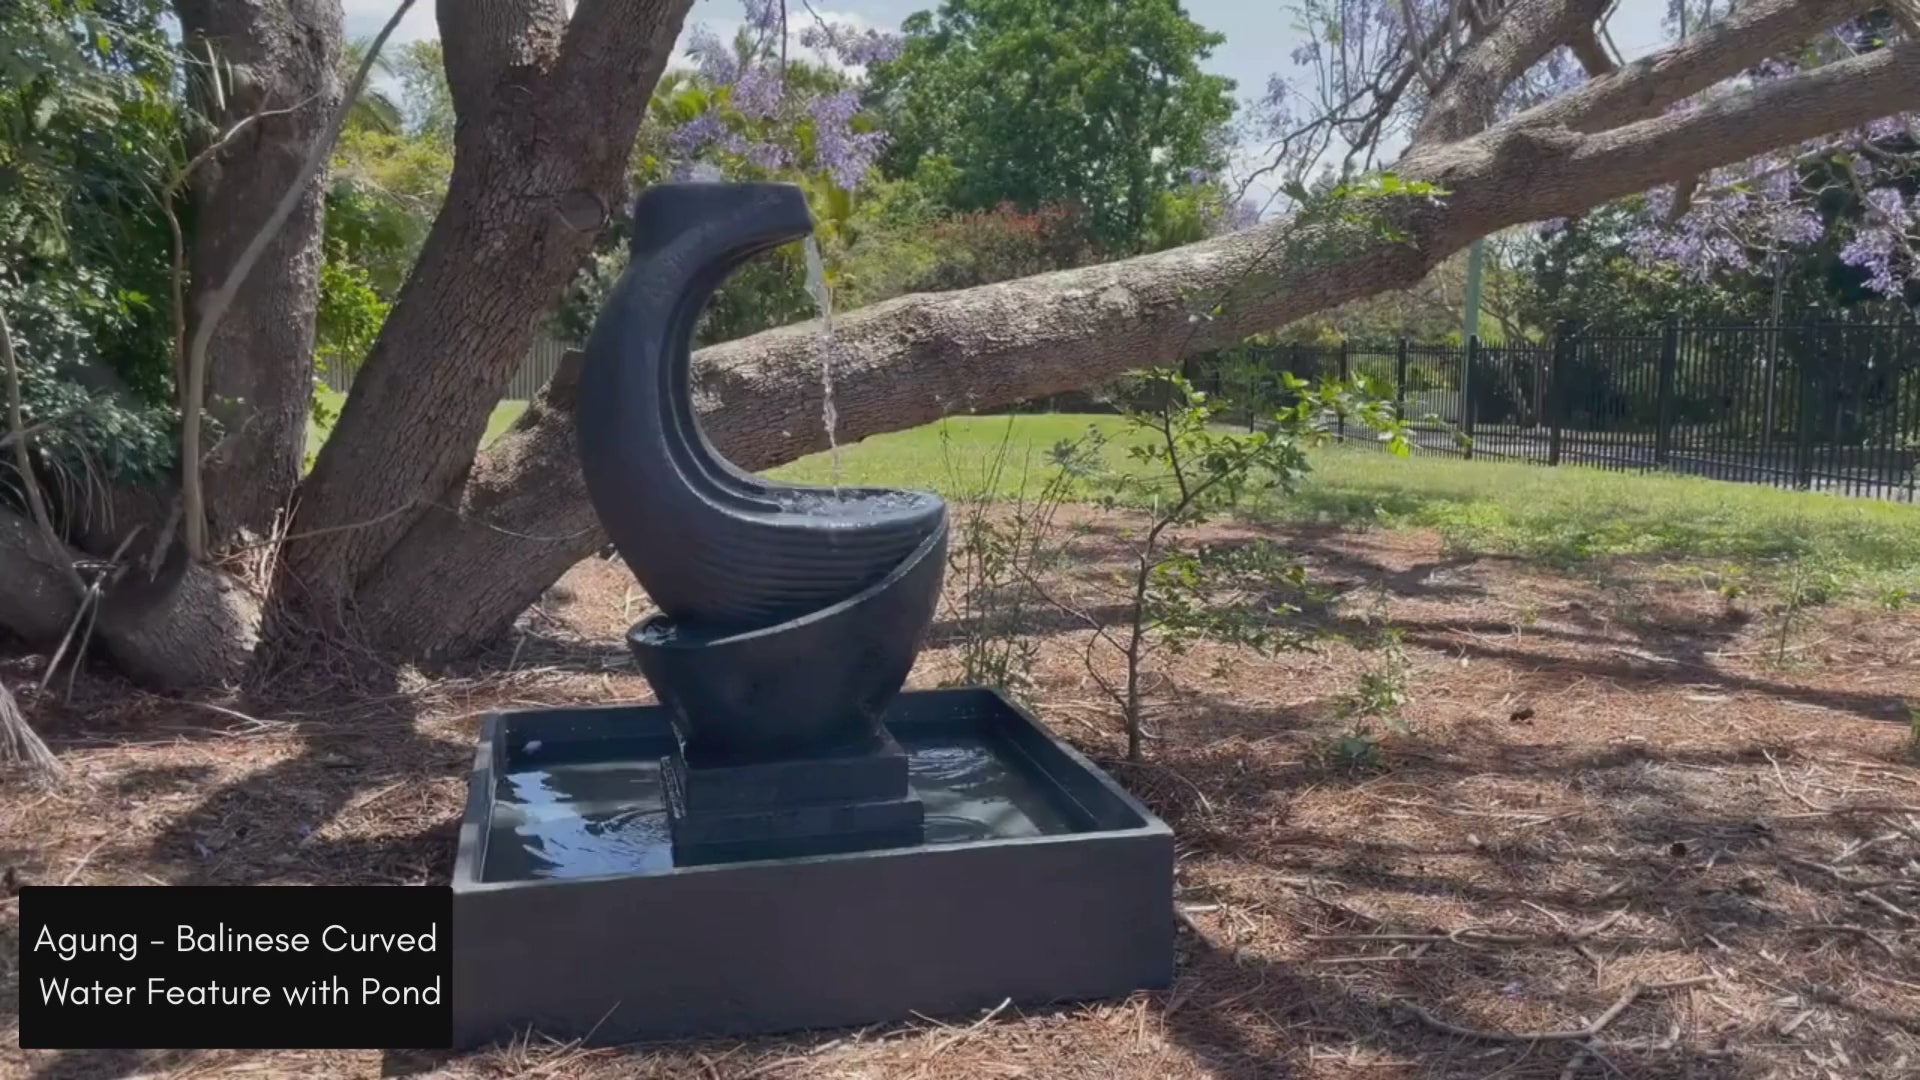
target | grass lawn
[
  {"x": 1562, "y": 516},
  {"x": 504, "y": 414}
]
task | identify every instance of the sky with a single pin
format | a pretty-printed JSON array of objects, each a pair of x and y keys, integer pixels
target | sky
[{"x": 1260, "y": 33}]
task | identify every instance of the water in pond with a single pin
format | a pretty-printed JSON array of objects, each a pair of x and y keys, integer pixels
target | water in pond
[
  {"x": 588, "y": 819},
  {"x": 823, "y": 299}
]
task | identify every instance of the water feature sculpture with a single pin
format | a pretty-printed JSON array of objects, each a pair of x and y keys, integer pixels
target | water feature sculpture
[
  {"x": 790, "y": 616},
  {"x": 786, "y": 839}
]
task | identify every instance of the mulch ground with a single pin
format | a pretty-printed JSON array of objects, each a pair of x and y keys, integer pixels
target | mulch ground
[{"x": 1630, "y": 829}]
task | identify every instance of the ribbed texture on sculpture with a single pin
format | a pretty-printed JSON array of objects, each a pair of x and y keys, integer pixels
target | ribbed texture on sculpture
[{"x": 789, "y": 616}]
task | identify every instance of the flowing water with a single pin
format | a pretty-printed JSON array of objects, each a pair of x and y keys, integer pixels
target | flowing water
[{"x": 823, "y": 299}]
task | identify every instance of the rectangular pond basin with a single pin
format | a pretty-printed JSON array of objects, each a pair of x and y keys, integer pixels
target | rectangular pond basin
[{"x": 1039, "y": 880}]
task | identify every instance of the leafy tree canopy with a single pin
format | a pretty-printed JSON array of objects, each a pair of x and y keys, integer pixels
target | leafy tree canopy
[{"x": 1096, "y": 103}]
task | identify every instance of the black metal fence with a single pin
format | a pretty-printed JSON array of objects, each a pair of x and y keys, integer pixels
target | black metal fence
[{"x": 1826, "y": 407}]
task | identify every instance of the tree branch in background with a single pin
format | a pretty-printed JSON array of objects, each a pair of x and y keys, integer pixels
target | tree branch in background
[
  {"x": 1592, "y": 52},
  {"x": 193, "y": 401},
  {"x": 1648, "y": 86},
  {"x": 1465, "y": 104}
]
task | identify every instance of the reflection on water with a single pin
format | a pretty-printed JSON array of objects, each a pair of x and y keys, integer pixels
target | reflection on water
[
  {"x": 972, "y": 793},
  {"x": 579, "y": 820}
]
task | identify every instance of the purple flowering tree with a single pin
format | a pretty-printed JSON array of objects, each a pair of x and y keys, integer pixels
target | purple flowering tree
[
  {"x": 1847, "y": 190},
  {"x": 777, "y": 100}
]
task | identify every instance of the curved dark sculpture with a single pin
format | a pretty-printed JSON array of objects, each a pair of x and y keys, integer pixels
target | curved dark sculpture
[{"x": 790, "y": 615}]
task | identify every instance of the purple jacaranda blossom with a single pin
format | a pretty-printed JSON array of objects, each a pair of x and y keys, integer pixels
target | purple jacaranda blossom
[
  {"x": 757, "y": 93},
  {"x": 697, "y": 134},
  {"x": 715, "y": 60},
  {"x": 854, "y": 48},
  {"x": 1889, "y": 207},
  {"x": 1873, "y": 250},
  {"x": 846, "y": 154},
  {"x": 769, "y": 156}
]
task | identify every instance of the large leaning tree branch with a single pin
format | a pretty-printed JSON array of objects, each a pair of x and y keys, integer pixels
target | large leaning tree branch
[
  {"x": 523, "y": 514},
  {"x": 1650, "y": 85}
]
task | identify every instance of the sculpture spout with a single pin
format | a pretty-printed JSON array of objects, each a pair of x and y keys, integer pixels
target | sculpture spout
[{"x": 790, "y": 615}]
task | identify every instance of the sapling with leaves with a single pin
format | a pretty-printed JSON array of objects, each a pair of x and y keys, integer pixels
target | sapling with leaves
[{"x": 1186, "y": 468}]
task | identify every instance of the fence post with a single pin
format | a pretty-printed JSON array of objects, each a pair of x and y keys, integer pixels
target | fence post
[
  {"x": 1340, "y": 421},
  {"x": 1400, "y": 380},
  {"x": 1466, "y": 390},
  {"x": 1557, "y": 388},
  {"x": 1803, "y": 437},
  {"x": 1663, "y": 405}
]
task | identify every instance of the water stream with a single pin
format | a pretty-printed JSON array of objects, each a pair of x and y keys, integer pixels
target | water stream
[{"x": 823, "y": 299}]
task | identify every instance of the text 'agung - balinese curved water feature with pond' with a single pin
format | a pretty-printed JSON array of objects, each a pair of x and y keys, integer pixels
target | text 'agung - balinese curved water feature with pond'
[{"x": 787, "y": 839}]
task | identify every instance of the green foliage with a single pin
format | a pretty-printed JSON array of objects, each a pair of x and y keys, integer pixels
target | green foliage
[
  {"x": 1189, "y": 468},
  {"x": 1584, "y": 272},
  {"x": 1100, "y": 104},
  {"x": 386, "y": 190},
  {"x": 81, "y": 427},
  {"x": 350, "y": 315},
  {"x": 1357, "y": 750},
  {"x": 89, "y": 131},
  {"x": 373, "y": 110}
]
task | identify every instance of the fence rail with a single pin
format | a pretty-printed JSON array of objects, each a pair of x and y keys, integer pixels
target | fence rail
[{"x": 1825, "y": 407}]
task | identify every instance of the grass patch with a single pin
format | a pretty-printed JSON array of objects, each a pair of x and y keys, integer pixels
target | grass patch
[
  {"x": 950, "y": 455},
  {"x": 1563, "y": 516},
  {"x": 1572, "y": 514},
  {"x": 504, "y": 414}
]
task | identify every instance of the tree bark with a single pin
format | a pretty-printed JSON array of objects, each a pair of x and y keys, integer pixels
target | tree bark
[
  {"x": 522, "y": 517},
  {"x": 548, "y": 110},
  {"x": 198, "y": 630},
  {"x": 282, "y": 56}
]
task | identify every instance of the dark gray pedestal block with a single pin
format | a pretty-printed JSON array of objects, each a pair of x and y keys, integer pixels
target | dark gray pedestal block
[{"x": 817, "y": 942}]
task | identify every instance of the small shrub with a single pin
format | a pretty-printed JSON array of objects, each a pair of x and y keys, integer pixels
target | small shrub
[
  {"x": 1188, "y": 468},
  {"x": 1356, "y": 751}
]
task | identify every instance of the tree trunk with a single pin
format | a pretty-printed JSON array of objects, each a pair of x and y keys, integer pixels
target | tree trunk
[
  {"x": 282, "y": 56},
  {"x": 548, "y": 110}
]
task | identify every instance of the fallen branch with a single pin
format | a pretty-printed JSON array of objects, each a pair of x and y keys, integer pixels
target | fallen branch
[
  {"x": 1471, "y": 936},
  {"x": 1633, "y": 993},
  {"x": 1887, "y": 905},
  {"x": 1847, "y": 928}
]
